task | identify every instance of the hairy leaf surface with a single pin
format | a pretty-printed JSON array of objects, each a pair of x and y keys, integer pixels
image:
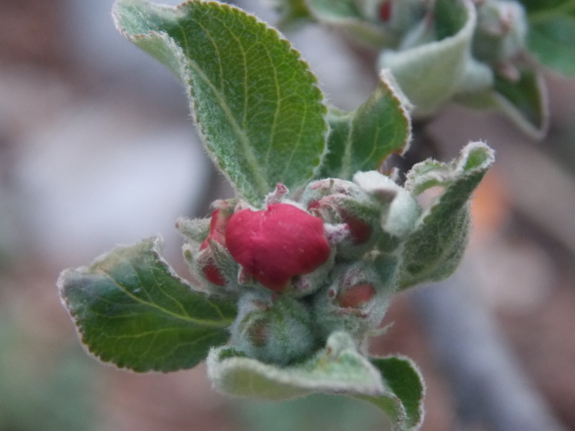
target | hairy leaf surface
[
  {"x": 132, "y": 310},
  {"x": 257, "y": 106}
]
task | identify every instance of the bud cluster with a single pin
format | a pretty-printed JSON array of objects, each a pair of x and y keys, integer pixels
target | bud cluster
[{"x": 301, "y": 269}]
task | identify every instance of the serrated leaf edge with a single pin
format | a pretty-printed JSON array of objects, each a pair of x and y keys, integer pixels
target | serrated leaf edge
[
  {"x": 156, "y": 243},
  {"x": 184, "y": 75}
]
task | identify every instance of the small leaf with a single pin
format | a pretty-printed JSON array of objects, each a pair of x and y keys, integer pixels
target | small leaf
[
  {"x": 338, "y": 368},
  {"x": 437, "y": 244},
  {"x": 535, "y": 7},
  {"x": 257, "y": 106},
  {"x": 404, "y": 405},
  {"x": 525, "y": 102},
  {"x": 552, "y": 41},
  {"x": 362, "y": 139},
  {"x": 293, "y": 13},
  {"x": 132, "y": 310},
  {"x": 344, "y": 15},
  {"x": 430, "y": 74}
]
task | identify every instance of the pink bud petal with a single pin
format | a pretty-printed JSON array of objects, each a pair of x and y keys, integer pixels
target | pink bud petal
[
  {"x": 356, "y": 296},
  {"x": 276, "y": 244},
  {"x": 220, "y": 218},
  {"x": 213, "y": 274}
]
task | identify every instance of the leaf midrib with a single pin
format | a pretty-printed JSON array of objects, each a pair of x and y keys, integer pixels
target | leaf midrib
[
  {"x": 187, "y": 318},
  {"x": 249, "y": 155}
]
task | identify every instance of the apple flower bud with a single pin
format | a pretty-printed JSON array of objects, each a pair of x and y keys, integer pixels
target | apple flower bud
[
  {"x": 272, "y": 328},
  {"x": 339, "y": 201},
  {"x": 276, "y": 244}
]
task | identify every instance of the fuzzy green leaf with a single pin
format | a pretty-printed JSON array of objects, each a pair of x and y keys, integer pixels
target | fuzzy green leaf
[
  {"x": 337, "y": 369},
  {"x": 437, "y": 244},
  {"x": 132, "y": 310},
  {"x": 361, "y": 140},
  {"x": 431, "y": 73},
  {"x": 552, "y": 40},
  {"x": 404, "y": 403},
  {"x": 257, "y": 106}
]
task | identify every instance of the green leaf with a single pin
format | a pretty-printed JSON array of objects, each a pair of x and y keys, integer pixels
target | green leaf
[
  {"x": 404, "y": 404},
  {"x": 337, "y": 369},
  {"x": 131, "y": 309},
  {"x": 362, "y": 139},
  {"x": 436, "y": 246},
  {"x": 553, "y": 42},
  {"x": 536, "y": 8},
  {"x": 431, "y": 73},
  {"x": 257, "y": 106},
  {"x": 524, "y": 101},
  {"x": 450, "y": 17},
  {"x": 345, "y": 16}
]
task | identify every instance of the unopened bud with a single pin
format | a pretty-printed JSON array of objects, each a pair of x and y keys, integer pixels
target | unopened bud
[
  {"x": 276, "y": 330},
  {"x": 276, "y": 244}
]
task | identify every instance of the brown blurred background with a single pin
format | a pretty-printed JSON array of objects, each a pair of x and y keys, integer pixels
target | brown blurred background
[{"x": 97, "y": 148}]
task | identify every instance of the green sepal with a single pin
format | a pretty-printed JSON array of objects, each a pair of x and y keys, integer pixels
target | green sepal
[
  {"x": 362, "y": 139},
  {"x": 404, "y": 402},
  {"x": 132, "y": 310},
  {"x": 257, "y": 106},
  {"x": 434, "y": 249},
  {"x": 431, "y": 73}
]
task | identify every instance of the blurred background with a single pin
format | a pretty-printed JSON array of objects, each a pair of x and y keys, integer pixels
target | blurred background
[{"x": 97, "y": 148}]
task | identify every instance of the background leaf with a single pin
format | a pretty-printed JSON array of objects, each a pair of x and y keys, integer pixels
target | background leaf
[
  {"x": 362, "y": 139},
  {"x": 534, "y": 7},
  {"x": 435, "y": 248},
  {"x": 405, "y": 385},
  {"x": 552, "y": 40},
  {"x": 430, "y": 74},
  {"x": 525, "y": 101},
  {"x": 293, "y": 13},
  {"x": 257, "y": 105},
  {"x": 132, "y": 310},
  {"x": 344, "y": 15}
]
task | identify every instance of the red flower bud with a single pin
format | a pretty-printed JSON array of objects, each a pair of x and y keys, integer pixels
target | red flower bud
[
  {"x": 213, "y": 274},
  {"x": 385, "y": 11},
  {"x": 359, "y": 229},
  {"x": 276, "y": 244},
  {"x": 356, "y": 296}
]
